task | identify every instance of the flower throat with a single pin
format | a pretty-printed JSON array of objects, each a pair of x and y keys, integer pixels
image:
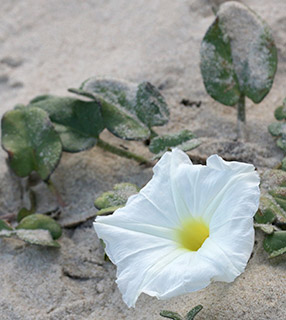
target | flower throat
[{"x": 193, "y": 234}]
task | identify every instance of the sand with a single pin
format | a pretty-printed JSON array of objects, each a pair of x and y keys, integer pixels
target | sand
[{"x": 49, "y": 46}]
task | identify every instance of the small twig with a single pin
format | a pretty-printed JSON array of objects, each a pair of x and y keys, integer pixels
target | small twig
[
  {"x": 9, "y": 217},
  {"x": 123, "y": 153}
]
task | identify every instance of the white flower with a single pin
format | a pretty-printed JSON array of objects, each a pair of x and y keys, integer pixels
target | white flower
[{"x": 189, "y": 226}]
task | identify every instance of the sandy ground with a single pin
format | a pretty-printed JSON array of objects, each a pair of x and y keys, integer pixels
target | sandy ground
[{"x": 49, "y": 46}]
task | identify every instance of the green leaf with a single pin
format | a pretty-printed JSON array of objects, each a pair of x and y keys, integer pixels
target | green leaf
[
  {"x": 122, "y": 124},
  {"x": 192, "y": 313},
  {"x": 115, "y": 198},
  {"x": 120, "y": 106},
  {"x": 24, "y": 212},
  {"x": 31, "y": 142},
  {"x": 126, "y": 106},
  {"x": 280, "y": 112},
  {"x": 272, "y": 207},
  {"x": 170, "y": 315},
  {"x": 184, "y": 140},
  {"x": 4, "y": 225},
  {"x": 238, "y": 59},
  {"x": 267, "y": 211},
  {"x": 143, "y": 101},
  {"x": 283, "y": 164},
  {"x": 277, "y": 128},
  {"x": 78, "y": 123},
  {"x": 275, "y": 244},
  {"x": 36, "y": 237},
  {"x": 281, "y": 143},
  {"x": 150, "y": 107},
  {"x": 108, "y": 210},
  {"x": 40, "y": 221}
]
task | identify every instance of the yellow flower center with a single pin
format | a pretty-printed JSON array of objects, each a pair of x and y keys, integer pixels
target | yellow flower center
[{"x": 193, "y": 234}]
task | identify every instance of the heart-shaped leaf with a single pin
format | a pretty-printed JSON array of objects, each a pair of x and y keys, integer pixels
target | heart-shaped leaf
[
  {"x": 31, "y": 142},
  {"x": 238, "y": 58},
  {"x": 109, "y": 201},
  {"x": 40, "y": 221},
  {"x": 184, "y": 140},
  {"x": 275, "y": 244},
  {"x": 78, "y": 122}
]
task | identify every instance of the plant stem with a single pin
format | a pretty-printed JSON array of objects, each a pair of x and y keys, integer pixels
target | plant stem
[
  {"x": 241, "y": 118},
  {"x": 123, "y": 153},
  {"x": 56, "y": 193}
]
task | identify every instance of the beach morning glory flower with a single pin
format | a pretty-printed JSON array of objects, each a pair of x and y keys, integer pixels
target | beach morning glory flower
[{"x": 189, "y": 226}]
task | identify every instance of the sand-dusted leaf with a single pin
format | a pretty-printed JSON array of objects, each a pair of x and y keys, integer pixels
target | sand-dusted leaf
[
  {"x": 275, "y": 243},
  {"x": 31, "y": 142},
  {"x": 109, "y": 201},
  {"x": 281, "y": 143},
  {"x": 78, "y": 122},
  {"x": 280, "y": 112},
  {"x": 238, "y": 58},
  {"x": 4, "y": 225},
  {"x": 36, "y": 237},
  {"x": 116, "y": 98},
  {"x": 108, "y": 210},
  {"x": 39, "y": 237},
  {"x": 123, "y": 102},
  {"x": 267, "y": 211},
  {"x": 143, "y": 100},
  {"x": 151, "y": 107},
  {"x": 192, "y": 313},
  {"x": 277, "y": 129},
  {"x": 272, "y": 207},
  {"x": 283, "y": 164},
  {"x": 266, "y": 228},
  {"x": 122, "y": 124},
  {"x": 40, "y": 221},
  {"x": 171, "y": 315},
  {"x": 184, "y": 140}
]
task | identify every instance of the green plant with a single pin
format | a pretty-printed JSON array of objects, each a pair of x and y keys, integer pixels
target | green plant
[
  {"x": 175, "y": 316},
  {"x": 271, "y": 216},
  {"x": 238, "y": 60},
  {"x": 34, "y": 136}
]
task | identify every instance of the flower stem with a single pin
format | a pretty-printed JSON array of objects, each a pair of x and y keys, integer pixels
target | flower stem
[
  {"x": 241, "y": 118},
  {"x": 123, "y": 153}
]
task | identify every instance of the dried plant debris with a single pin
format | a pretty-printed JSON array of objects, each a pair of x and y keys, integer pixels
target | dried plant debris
[
  {"x": 271, "y": 216},
  {"x": 238, "y": 55}
]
